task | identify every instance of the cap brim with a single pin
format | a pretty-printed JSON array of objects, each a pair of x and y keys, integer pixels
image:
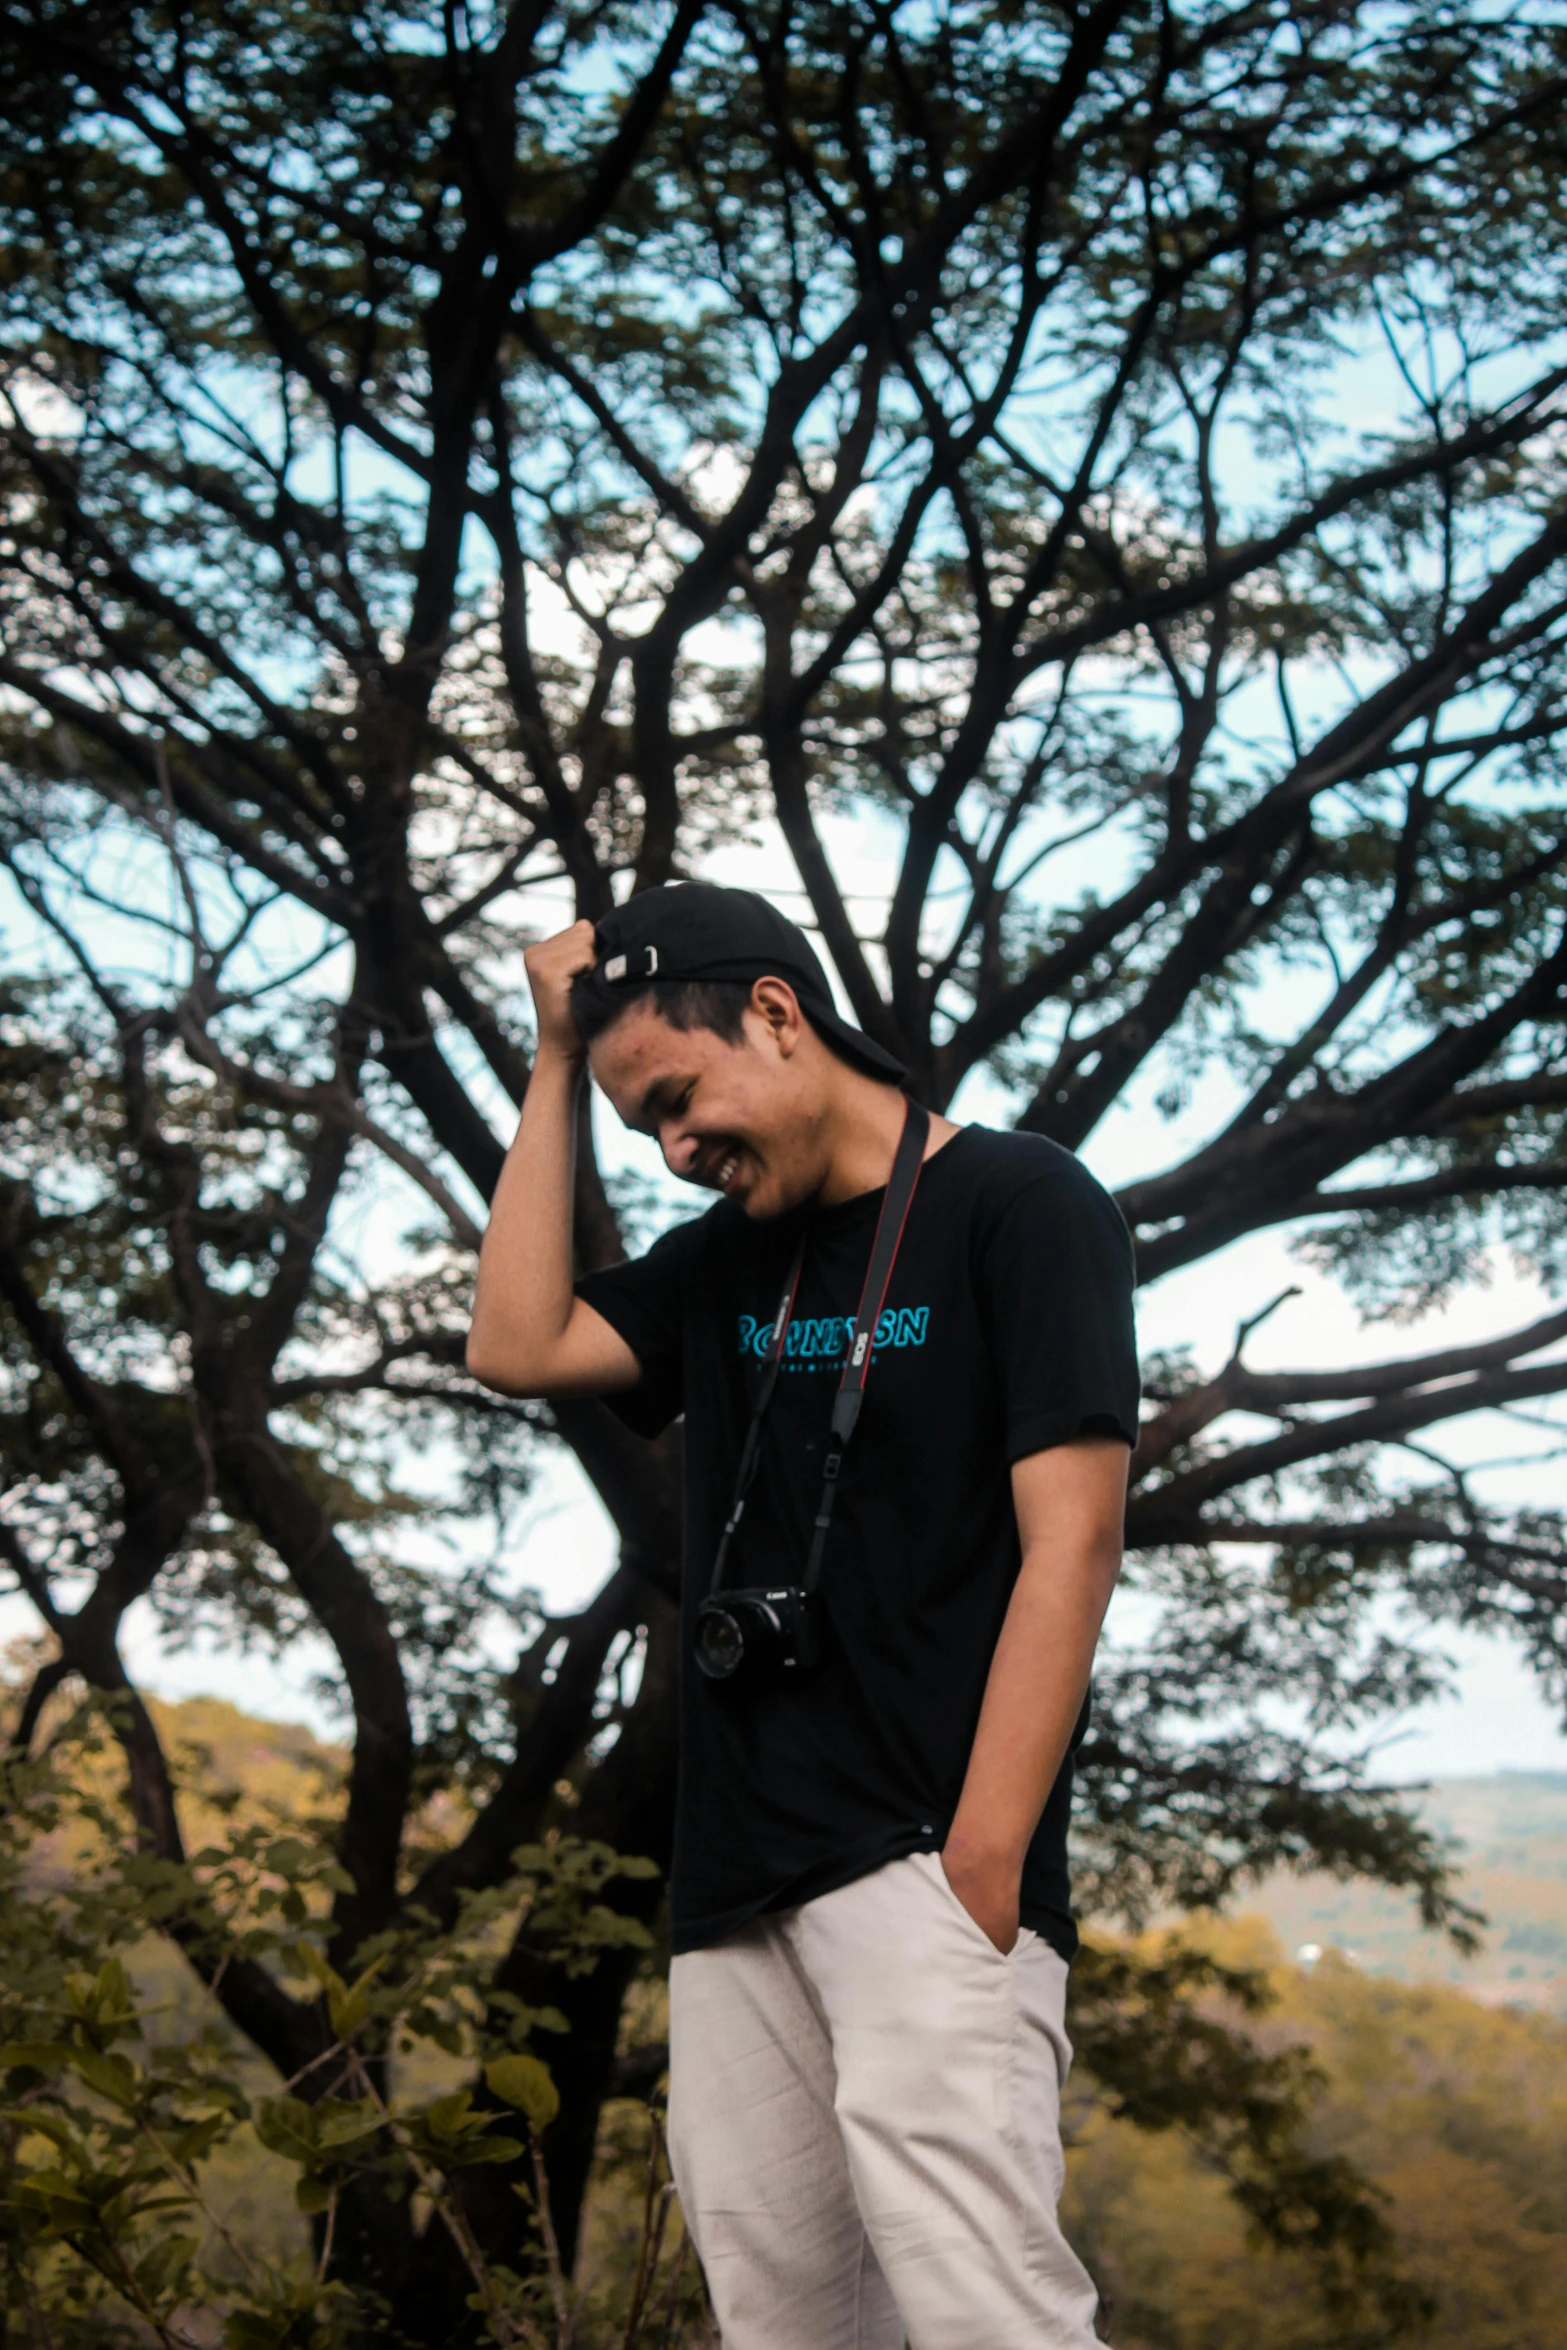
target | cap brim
[{"x": 859, "y": 1047}]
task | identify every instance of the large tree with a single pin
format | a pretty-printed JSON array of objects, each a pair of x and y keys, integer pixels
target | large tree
[{"x": 461, "y": 464}]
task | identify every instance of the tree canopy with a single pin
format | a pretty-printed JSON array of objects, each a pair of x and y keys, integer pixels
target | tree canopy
[{"x": 458, "y": 465}]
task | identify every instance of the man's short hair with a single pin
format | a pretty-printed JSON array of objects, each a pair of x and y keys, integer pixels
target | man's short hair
[{"x": 718, "y": 1004}]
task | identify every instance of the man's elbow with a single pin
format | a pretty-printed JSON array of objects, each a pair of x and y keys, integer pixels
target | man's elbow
[
  {"x": 1091, "y": 1558},
  {"x": 494, "y": 1364}
]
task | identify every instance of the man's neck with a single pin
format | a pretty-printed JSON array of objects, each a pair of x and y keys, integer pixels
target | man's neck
[{"x": 864, "y": 1124}]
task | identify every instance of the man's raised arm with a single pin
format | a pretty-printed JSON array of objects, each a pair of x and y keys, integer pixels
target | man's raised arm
[{"x": 531, "y": 1334}]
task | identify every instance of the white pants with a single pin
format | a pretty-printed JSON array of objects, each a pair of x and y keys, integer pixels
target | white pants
[{"x": 865, "y": 2126}]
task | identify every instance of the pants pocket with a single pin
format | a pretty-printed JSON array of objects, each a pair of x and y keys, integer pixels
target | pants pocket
[{"x": 930, "y": 1865}]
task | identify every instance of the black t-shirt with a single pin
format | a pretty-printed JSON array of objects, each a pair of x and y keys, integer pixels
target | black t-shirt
[{"x": 1007, "y": 1329}]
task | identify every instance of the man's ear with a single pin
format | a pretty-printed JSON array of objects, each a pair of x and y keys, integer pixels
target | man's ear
[{"x": 775, "y": 1001}]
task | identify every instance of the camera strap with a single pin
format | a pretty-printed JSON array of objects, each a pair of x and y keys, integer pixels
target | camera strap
[{"x": 894, "y": 1215}]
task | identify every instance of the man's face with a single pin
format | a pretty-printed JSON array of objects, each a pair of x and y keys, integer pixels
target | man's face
[{"x": 742, "y": 1119}]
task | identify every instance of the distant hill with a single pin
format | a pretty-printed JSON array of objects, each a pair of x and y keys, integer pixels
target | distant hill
[
  {"x": 1511, "y": 1830},
  {"x": 1457, "y": 2111}
]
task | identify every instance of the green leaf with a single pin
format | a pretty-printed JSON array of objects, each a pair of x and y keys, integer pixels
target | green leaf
[
  {"x": 47, "y": 2125},
  {"x": 102, "y": 2002},
  {"x": 286, "y": 1856},
  {"x": 484, "y": 2150},
  {"x": 45, "y": 2056},
  {"x": 450, "y": 2118},
  {"x": 314, "y": 1964},
  {"x": 53, "y": 2186},
  {"x": 524, "y": 2081},
  {"x": 348, "y": 2006},
  {"x": 318, "y": 2137},
  {"x": 288, "y": 2126},
  {"x": 161, "y": 2270},
  {"x": 189, "y": 2145},
  {"x": 311, "y": 2195},
  {"x": 340, "y": 2124},
  {"x": 255, "y": 2329},
  {"x": 114, "y": 2077}
]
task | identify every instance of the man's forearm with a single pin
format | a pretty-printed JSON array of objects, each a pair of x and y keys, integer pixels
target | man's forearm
[
  {"x": 1070, "y": 1507},
  {"x": 523, "y": 1296},
  {"x": 1033, "y": 1696}
]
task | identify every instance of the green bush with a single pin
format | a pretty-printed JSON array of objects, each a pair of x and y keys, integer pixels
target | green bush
[{"x": 127, "y": 2118}]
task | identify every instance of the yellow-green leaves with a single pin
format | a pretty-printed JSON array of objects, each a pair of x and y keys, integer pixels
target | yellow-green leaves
[
  {"x": 348, "y": 2004},
  {"x": 120, "y": 2111},
  {"x": 312, "y": 2133},
  {"x": 454, "y": 2135},
  {"x": 323, "y": 2139},
  {"x": 42, "y": 2056},
  {"x": 102, "y": 2003},
  {"x": 524, "y": 2081},
  {"x": 305, "y": 2315},
  {"x": 113, "y": 2076}
]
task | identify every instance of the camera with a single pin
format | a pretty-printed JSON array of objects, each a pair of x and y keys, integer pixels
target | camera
[{"x": 758, "y": 1633}]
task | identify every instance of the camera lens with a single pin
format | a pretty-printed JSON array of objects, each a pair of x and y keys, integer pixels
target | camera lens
[
  {"x": 743, "y": 1629},
  {"x": 720, "y": 1643}
]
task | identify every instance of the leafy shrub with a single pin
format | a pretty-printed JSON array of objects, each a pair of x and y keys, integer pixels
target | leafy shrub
[{"x": 123, "y": 2115}]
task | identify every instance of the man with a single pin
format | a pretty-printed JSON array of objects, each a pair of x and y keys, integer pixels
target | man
[{"x": 869, "y": 1899}]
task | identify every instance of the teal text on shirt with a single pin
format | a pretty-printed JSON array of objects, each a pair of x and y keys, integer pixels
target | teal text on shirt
[{"x": 824, "y": 1338}]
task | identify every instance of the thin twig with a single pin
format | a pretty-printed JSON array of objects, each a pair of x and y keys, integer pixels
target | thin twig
[
  {"x": 644, "y": 2261},
  {"x": 552, "y": 2260},
  {"x": 451, "y": 2217},
  {"x": 326, "y": 2238},
  {"x": 655, "y": 2247},
  {"x": 186, "y": 2178},
  {"x": 671, "y": 2294}
]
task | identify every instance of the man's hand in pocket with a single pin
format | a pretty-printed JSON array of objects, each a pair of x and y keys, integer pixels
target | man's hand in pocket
[{"x": 989, "y": 1886}]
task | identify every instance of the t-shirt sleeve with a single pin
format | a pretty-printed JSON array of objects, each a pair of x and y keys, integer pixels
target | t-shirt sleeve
[
  {"x": 1056, "y": 1273},
  {"x": 644, "y": 1300}
]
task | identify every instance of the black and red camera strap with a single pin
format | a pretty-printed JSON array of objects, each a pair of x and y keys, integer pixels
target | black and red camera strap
[{"x": 896, "y": 1202}]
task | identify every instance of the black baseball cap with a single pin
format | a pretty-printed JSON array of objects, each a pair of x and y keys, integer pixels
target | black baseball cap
[{"x": 696, "y": 930}]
